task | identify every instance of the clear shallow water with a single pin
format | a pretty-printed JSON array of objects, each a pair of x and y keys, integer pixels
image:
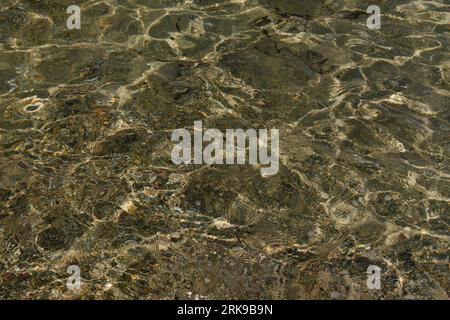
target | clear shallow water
[{"x": 86, "y": 176}]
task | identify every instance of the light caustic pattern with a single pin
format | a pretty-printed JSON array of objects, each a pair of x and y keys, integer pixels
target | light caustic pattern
[{"x": 87, "y": 180}]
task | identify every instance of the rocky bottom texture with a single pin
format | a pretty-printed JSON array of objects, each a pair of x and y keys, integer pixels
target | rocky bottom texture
[{"x": 87, "y": 179}]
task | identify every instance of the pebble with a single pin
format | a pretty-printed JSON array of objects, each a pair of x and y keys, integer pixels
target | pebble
[
  {"x": 335, "y": 295},
  {"x": 355, "y": 203}
]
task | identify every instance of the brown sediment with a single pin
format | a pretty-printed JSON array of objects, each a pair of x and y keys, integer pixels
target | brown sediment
[{"x": 86, "y": 176}]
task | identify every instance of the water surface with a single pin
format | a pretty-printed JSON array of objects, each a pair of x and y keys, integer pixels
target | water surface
[{"x": 86, "y": 176}]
